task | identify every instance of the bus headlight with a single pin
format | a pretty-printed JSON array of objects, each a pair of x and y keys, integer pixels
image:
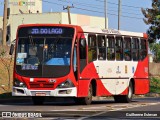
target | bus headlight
[
  {"x": 66, "y": 84},
  {"x": 18, "y": 83}
]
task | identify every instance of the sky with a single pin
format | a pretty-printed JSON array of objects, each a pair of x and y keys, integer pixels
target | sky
[{"x": 131, "y": 16}]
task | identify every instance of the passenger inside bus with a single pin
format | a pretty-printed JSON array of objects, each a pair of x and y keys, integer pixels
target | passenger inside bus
[
  {"x": 127, "y": 56},
  {"x": 101, "y": 56}
]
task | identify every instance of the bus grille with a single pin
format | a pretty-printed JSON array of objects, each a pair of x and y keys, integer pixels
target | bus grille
[{"x": 41, "y": 85}]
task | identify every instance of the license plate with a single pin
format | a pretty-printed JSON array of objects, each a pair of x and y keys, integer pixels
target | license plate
[{"x": 40, "y": 94}]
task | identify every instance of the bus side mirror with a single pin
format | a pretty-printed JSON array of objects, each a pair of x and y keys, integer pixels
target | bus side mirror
[
  {"x": 11, "y": 49},
  {"x": 83, "y": 42}
]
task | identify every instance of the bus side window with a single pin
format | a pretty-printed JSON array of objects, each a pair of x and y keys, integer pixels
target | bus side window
[
  {"x": 119, "y": 48},
  {"x": 135, "y": 49},
  {"x": 111, "y": 48},
  {"x": 92, "y": 48},
  {"x": 127, "y": 49},
  {"x": 143, "y": 49},
  {"x": 101, "y": 47}
]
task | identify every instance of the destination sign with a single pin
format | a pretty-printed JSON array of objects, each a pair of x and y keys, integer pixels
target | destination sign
[{"x": 46, "y": 31}]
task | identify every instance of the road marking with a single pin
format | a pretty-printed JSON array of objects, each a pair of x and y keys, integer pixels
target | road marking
[
  {"x": 94, "y": 108},
  {"x": 114, "y": 108},
  {"x": 92, "y": 115}
]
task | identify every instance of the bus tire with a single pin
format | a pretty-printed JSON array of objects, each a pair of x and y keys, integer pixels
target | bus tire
[
  {"x": 88, "y": 100},
  {"x": 125, "y": 98},
  {"x": 85, "y": 100},
  {"x": 38, "y": 100}
]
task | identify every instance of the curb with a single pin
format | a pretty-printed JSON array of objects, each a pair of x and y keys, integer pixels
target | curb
[
  {"x": 29, "y": 99},
  {"x": 153, "y": 95},
  {"x": 15, "y": 99}
]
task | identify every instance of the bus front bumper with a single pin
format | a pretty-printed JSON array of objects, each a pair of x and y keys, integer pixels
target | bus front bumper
[{"x": 63, "y": 92}]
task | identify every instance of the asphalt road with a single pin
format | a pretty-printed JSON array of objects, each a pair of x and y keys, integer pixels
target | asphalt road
[{"x": 143, "y": 108}]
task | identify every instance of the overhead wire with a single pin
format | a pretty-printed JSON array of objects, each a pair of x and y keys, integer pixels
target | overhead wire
[
  {"x": 130, "y": 6},
  {"x": 85, "y": 9}
]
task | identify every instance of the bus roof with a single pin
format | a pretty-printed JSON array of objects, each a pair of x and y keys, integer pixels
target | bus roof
[
  {"x": 88, "y": 29},
  {"x": 47, "y": 24}
]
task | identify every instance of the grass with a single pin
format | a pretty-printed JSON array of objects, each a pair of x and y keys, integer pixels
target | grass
[{"x": 155, "y": 85}]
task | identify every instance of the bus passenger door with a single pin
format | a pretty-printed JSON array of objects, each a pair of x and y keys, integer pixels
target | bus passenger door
[
  {"x": 82, "y": 62},
  {"x": 82, "y": 54}
]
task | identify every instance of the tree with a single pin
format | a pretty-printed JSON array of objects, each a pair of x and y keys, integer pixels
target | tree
[
  {"x": 152, "y": 18},
  {"x": 155, "y": 49}
]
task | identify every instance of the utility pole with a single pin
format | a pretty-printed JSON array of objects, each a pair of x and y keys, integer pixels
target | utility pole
[
  {"x": 119, "y": 13},
  {"x": 68, "y": 9},
  {"x": 105, "y": 13},
  {"x": 4, "y": 22}
]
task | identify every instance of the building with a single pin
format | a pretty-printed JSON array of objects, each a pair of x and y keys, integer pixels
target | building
[
  {"x": 21, "y": 7},
  {"x": 0, "y": 35},
  {"x": 25, "y": 6},
  {"x": 1, "y": 26},
  {"x": 51, "y": 18},
  {"x": 30, "y": 12}
]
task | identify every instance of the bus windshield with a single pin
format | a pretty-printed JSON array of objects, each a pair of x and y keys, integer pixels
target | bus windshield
[{"x": 43, "y": 56}]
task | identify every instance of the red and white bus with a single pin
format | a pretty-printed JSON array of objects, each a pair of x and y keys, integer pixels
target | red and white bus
[{"x": 78, "y": 61}]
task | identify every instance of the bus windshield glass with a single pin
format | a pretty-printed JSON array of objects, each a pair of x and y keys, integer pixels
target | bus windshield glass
[{"x": 44, "y": 53}]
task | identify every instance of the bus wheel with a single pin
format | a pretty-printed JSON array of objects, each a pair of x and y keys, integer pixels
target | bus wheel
[
  {"x": 128, "y": 97},
  {"x": 125, "y": 98},
  {"x": 85, "y": 100},
  {"x": 38, "y": 100}
]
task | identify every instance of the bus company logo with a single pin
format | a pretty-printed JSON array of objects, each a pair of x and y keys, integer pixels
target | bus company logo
[
  {"x": 118, "y": 70},
  {"x": 111, "y": 31}
]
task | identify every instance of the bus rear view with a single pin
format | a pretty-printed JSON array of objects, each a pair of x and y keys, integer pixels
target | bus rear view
[{"x": 43, "y": 62}]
